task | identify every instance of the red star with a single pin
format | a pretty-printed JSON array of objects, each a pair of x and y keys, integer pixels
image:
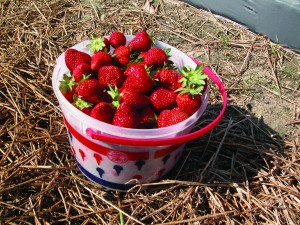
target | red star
[{"x": 82, "y": 154}]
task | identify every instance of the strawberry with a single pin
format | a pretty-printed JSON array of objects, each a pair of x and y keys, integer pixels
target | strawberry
[
  {"x": 133, "y": 97},
  {"x": 98, "y": 44},
  {"x": 155, "y": 57},
  {"x": 142, "y": 42},
  {"x": 188, "y": 103},
  {"x": 74, "y": 57},
  {"x": 128, "y": 95},
  {"x": 121, "y": 55},
  {"x": 126, "y": 116},
  {"x": 82, "y": 71},
  {"x": 170, "y": 117},
  {"x": 193, "y": 82},
  {"x": 117, "y": 39},
  {"x": 100, "y": 59},
  {"x": 103, "y": 111},
  {"x": 167, "y": 78},
  {"x": 68, "y": 87},
  {"x": 90, "y": 90},
  {"x": 162, "y": 98},
  {"x": 138, "y": 79},
  {"x": 180, "y": 80},
  {"x": 147, "y": 118},
  {"x": 112, "y": 75},
  {"x": 135, "y": 68},
  {"x": 82, "y": 105}
]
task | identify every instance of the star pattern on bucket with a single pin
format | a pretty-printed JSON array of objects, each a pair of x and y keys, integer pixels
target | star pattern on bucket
[
  {"x": 83, "y": 156},
  {"x": 118, "y": 169},
  {"x": 160, "y": 172},
  {"x": 140, "y": 164},
  {"x": 73, "y": 150},
  {"x": 100, "y": 171},
  {"x": 98, "y": 158},
  {"x": 165, "y": 159}
]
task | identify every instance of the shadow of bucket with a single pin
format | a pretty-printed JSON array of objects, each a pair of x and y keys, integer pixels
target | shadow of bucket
[{"x": 118, "y": 158}]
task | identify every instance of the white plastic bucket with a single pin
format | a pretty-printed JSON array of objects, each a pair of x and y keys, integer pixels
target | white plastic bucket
[{"x": 116, "y": 157}]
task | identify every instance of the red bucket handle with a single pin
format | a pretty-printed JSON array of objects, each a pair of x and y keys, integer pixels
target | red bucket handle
[{"x": 172, "y": 140}]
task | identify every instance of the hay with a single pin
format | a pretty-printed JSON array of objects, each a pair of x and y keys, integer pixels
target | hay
[{"x": 246, "y": 171}]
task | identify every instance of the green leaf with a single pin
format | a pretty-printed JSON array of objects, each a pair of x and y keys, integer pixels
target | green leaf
[
  {"x": 97, "y": 44},
  {"x": 81, "y": 104},
  {"x": 67, "y": 83}
]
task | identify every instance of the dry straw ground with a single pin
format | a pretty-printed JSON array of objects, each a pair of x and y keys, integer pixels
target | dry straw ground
[{"x": 246, "y": 171}]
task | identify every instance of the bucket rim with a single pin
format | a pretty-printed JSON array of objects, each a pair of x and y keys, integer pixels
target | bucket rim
[
  {"x": 173, "y": 140},
  {"x": 114, "y": 130}
]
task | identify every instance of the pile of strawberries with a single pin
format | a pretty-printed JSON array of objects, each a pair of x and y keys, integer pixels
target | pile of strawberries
[{"x": 132, "y": 85}]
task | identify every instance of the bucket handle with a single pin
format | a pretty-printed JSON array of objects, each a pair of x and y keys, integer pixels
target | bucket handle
[{"x": 173, "y": 140}]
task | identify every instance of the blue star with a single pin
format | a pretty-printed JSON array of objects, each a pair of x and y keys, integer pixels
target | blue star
[
  {"x": 140, "y": 164},
  {"x": 118, "y": 169},
  {"x": 165, "y": 159},
  {"x": 100, "y": 171}
]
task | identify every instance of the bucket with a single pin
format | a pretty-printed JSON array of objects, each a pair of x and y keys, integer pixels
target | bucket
[{"x": 118, "y": 158}]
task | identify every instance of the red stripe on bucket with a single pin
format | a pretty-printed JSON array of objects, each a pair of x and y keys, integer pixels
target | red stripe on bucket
[{"x": 103, "y": 150}]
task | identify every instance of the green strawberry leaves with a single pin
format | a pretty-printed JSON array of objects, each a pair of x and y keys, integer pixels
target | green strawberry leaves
[
  {"x": 114, "y": 93},
  {"x": 80, "y": 103},
  {"x": 193, "y": 80},
  {"x": 67, "y": 83},
  {"x": 97, "y": 44}
]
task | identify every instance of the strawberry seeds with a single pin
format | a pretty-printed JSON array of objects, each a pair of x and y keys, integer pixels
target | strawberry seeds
[{"x": 133, "y": 86}]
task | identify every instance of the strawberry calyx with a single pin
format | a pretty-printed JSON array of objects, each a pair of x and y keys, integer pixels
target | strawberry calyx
[
  {"x": 80, "y": 103},
  {"x": 193, "y": 80},
  {"x": 97, "y": 44},
  {"x": 83, "y": 78},
  {"x": 67, "y": 83},
  {"x": 114, "y": 93}
]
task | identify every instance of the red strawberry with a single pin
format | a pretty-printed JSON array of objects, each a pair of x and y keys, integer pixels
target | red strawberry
[
  {"x": 82, "y": 105},
  {"x": 179, "y": 81},
  {"x": 128, "y": 95},
  {"x": 103, "y": 111},
  {"x": 117, "y": 39},
  {"x": 90, "y": 90},
  {"x": 147, "y": 118},
  {"x": 133, "y": 97},
  {"x": 138, "y": 79},
  {"x": 99, "y": 44},
  {"x": 170, "y": 117},
  {"x": 74, "y": 57},
  {"x": 193, "y": 82},
  {"x": 168, "y": 78},
  {"x": 100, "y": 59},
  {"x": 135, "y": 68},
  {"x": 162, "y": 98},
  {"x": 155, "y": 57},
  {"x": 126, "y": 116},
  {"x": 68, "y": 87},
  {"x": 142, "y": 42},
  {"x": 80, "y": 70},
  {"x": 188, "y": 103},
  {"x": 112, "y": 75},
  {"x": 121, "y": 55}
]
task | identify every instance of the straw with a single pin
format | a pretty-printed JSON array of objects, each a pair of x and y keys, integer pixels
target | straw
[{"x": 245, "y": 171}]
